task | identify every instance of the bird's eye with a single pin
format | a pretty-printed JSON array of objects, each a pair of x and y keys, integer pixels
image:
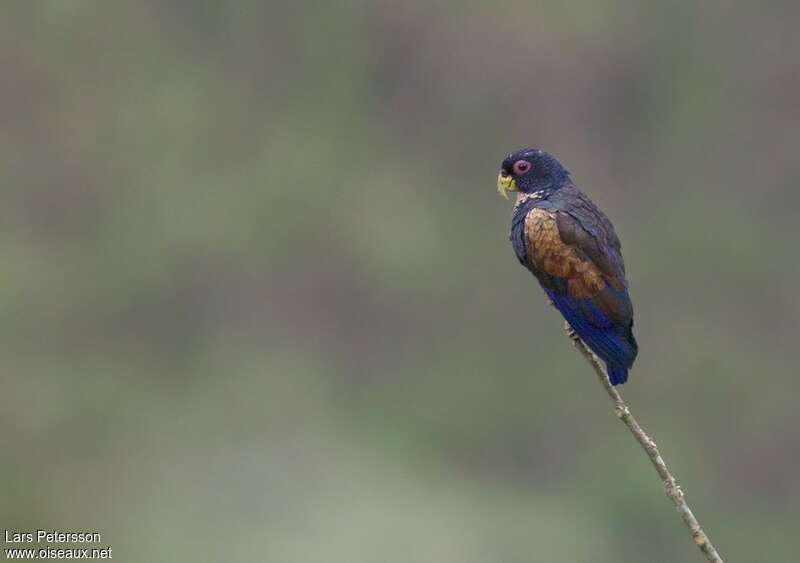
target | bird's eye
[{"x": 522, "y": 167}]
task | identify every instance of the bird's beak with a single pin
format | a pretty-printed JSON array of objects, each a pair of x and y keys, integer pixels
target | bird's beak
[{"x": 505, "y": 184}]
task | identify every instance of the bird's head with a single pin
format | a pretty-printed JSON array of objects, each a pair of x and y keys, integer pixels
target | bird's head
[{"x": 530, "y": 170}]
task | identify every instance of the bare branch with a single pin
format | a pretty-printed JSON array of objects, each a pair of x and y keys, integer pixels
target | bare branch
[{"x": 671, "y": 486}]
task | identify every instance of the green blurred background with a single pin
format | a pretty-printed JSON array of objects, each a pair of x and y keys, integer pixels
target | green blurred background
[{"x": 258, "y": 301}]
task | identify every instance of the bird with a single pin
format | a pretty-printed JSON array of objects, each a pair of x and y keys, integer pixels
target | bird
[{"x": 571, "y": 248}]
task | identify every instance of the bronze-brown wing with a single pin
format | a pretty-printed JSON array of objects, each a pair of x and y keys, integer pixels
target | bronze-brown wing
[
  {"x": 562, "y": 254},
  {"x": 604, "y": 254}
]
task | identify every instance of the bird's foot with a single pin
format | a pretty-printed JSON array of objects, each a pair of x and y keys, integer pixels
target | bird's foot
[{"x": 571, "y": 332}]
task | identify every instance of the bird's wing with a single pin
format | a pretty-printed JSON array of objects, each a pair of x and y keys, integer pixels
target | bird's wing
[
  {"x": 572, "y": 262},
  {"x": 582, "y": 273},
  {"x": 584, "y": 226},
  {"x": 601, "y": 248}
]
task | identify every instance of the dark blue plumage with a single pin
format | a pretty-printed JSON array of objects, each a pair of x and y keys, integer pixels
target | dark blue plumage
[
  {"x": 571, "y": 248},
  {"x": 599, "y": 333}
]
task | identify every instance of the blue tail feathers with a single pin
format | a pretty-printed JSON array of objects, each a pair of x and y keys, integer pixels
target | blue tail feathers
[
  {"x": 617, "y": 375},
  {"x": 614, "y": 345}
]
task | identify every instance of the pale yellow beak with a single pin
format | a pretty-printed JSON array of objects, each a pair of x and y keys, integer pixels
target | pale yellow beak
[{"x": 505, "y": 184}]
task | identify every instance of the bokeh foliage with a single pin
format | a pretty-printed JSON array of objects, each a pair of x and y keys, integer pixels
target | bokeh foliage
[{"x": 258, "y": 302}]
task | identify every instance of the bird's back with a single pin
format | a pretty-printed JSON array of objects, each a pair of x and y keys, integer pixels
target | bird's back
[{"x": 570, "y": 246}]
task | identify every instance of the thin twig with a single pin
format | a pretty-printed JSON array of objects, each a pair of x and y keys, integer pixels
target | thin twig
[{"x": 671, "y": 486}]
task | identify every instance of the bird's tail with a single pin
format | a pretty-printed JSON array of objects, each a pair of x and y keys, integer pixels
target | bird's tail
[{"x": 616, "y": 374}]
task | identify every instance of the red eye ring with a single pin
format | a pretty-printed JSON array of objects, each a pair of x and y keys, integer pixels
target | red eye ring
[{"x": 522, "y": 167}]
